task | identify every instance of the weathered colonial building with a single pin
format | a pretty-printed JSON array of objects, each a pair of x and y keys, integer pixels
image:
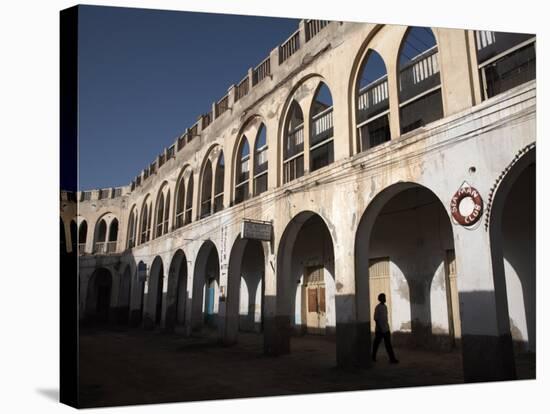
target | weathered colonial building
[{"x": 355, "y": 159}]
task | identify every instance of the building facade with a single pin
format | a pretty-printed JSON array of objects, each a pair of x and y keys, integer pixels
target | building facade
[{"x": 355, "y": 159}]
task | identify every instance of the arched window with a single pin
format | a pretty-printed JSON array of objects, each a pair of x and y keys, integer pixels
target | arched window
[
  {"x": 206, "y": 190},
  {"x": 166, "y": 212},
  {"x": 82, "y": 235},
  {"x": 113, "y": 230},
  {"x": 132, "y": 221},
  {"x": 242, "y": 174},
  {"x": 218, "y": 183},
  {"x": 160, "y": 215},
  {"x": 180, "y": 202},
  {"x": 113, "y": 236},
  {"x": 100, "y": 237},
  {"x": 260, "y": 161},
  {"x": 420, "y": 99},
  {"x": 505, "y": 60},
  {"x": 189, "y": 202},
  {"x": 146, "y": 218},
  {"x": 150, "y": 221},
  {"x": 162, "y": 210},
  {"x": 322, "y": 130},
  {"x": 293, "y": 144},
  {"x": 373, "y": 109}
]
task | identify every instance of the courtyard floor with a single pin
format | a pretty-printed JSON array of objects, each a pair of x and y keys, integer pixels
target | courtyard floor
[{"x": 123, "y": 367}]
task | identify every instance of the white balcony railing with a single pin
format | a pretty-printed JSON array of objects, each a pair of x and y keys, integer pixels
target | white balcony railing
[
  {"x": 105, "y": 247},
  {"x": 373, "y": 94},
  {"x": 422, "y": 67},
  {"x": 322, "y": 122},
  {"x": 289, "y": 47},
  {"x": 296, "y": 137}
]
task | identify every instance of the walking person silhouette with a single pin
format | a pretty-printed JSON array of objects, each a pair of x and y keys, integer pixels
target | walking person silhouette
[{"x": 382, "y": 330}]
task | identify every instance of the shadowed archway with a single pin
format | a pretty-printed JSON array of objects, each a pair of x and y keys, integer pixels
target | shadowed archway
[
  {"x": 176, "y": 299},
  {"x": 404, "y": 248},
  {"x": 206, "y": 279}
]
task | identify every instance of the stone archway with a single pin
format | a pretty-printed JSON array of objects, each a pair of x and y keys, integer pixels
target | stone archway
[
  {"x": 154, "y": 295},
  {"x": 245, "y": 288},
  {"x": 98, "y": 297},
  {"x": 404, "y": 248},
  {"x": 124, "y": 293},
  {"x": 176, "y": 300},
  {"x": 512, "y": 230},
  {"x": 305, "y": 281},
  {"x": 206, "y": 279}
]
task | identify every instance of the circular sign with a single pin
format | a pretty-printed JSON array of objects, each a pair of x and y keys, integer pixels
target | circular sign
[{"x": 467, "y": 206}]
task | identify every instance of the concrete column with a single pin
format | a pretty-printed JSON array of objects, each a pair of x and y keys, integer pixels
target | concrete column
[
  {"x": 306, "y": 111},
  {"x": 393, "y": 96},
  {"x": 189, "y": 298},
  {"x": 228, "y": 153},
  {"x": 137, "y": 235},
  {"x": 90, "y": 237},
  {"x": 164, "y": 294},
  {"x": 147, "y": 318},
  {"x": 213, "y": 111},
  {"x": 250, "y": 73},
  {"x": 474, "y": 71},
  {"x": 197, "y": 181},
  {"x": 343, "y": 145},
  {"x": 454, "y": 62},
  {"x": 172, "y": 209},
  {"x": 272, "y": 340},
  {"x": 251, "y": 161},
  {"x": 135, "y": 300},
  {"x": 352, "y": 349},
  {"x": 273, "y": 148},
  {"x": 274, "y": 62},
  {"x": 115, "y": 288},
  {"x": 232, "y": 277},
  {"x": 199, "y": 125},
  {"x": 302, "y": 34},
  {"x": 487, "y": 351},
  {"x": 122, "y": 237},
  {"x": 231, "y": 97},
  {"x": 227, "y": 333},
  {"x": 214, "y": 164}
]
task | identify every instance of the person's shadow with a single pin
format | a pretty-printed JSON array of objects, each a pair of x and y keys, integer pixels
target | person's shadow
[{"x": 50, "y": 393}]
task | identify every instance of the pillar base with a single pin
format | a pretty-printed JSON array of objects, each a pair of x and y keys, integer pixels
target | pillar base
[
  {"x": 148, "y": 323},
  {"x": 488, "y": 358},
  {"x": 353, "y": 347},
  {"x": 277, "y": 335},
  {"x": 135, "y": 318}
]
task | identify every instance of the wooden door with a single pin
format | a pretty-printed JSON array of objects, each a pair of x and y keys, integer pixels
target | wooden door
[{"x": 315, "y": 300}]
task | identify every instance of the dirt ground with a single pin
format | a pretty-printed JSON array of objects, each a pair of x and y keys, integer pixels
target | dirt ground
[{"x": 143, "y": 367}]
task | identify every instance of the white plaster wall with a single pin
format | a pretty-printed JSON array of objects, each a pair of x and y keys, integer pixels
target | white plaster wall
[
  {"x": 438, "y": 301},
  {"x": 258, "y": 304},
  {"x": 400, "y": 300},
  {"x": 243, "y": 303}
]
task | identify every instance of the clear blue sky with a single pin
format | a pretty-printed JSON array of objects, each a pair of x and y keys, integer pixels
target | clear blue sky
[{"x": 146, "y": 75}]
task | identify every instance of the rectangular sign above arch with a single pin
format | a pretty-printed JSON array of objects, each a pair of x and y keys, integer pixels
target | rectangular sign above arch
[{"x": 256, "y": 230}]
